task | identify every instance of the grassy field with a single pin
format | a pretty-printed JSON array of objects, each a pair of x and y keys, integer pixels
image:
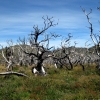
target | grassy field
[{"x": 59, "y": 84}]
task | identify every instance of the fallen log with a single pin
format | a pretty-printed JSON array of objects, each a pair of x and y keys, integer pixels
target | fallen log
[{"x": 13, "y": 73}]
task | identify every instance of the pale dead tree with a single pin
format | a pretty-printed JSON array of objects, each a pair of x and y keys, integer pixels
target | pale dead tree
[
  {"x": 21, "y": 58},
  {"x": 91, "y": 56},
  {"x": 73, "y": 53},
  {"x": 8, "y": 55},
  {"x": 24, "y": 59},
  {"x": 66, "y": 51},
  {"x": 39, "y": 48},
  {"x": 9, "y": 66},
  {"x": 87, "y": 54},
  {"x": 8, "y": 58},
  {"x": 62, "y": 57},
  {"x": 95, "y": 38}
]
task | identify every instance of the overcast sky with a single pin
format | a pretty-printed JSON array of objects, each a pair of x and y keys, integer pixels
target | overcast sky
[{"x": 17, "y": 18}]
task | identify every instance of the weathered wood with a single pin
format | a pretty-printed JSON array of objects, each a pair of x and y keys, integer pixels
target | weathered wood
[{"x": 13, "y": 73}]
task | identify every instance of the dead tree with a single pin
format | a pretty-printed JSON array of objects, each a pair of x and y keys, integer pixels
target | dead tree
[
  {"x": 40, "y": 46},
  {"x": 95, "y": 38},
  {"x": 8, "y": 55},
  {"x": 63, "y": 59}
]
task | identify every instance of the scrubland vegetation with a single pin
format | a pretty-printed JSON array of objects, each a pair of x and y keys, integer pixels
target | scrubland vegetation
[
  {"x": 59, "y": 84},
  {"x": 76, "y": 75}
]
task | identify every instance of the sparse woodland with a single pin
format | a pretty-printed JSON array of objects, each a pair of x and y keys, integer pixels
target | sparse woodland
[{"x": 32, "y": 70}]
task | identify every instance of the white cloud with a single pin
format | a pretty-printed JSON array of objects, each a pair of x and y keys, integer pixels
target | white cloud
[{"x": 70, "y": 21}]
